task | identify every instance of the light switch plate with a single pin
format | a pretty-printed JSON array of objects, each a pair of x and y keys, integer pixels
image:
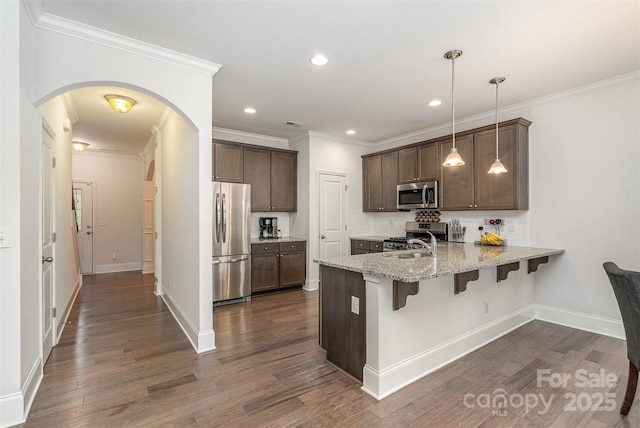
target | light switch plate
[{"x": 355, "y": 305}]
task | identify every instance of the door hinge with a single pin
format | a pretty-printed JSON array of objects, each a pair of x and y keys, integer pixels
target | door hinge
[
  {"x": 53, "y": 237},
  {"x": 53, "y": 162},
  {"x": 345, "y": 227},
  {"x": 54, "y": 312},
  {"x": 346, "y": 187}
]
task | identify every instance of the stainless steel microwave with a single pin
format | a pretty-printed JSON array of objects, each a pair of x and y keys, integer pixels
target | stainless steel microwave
[{"x": 418, "y": 195}]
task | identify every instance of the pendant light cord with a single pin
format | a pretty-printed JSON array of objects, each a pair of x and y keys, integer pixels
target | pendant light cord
[
  {"x": 497, "y": 154},
  {"x": 453, "y": 104}
]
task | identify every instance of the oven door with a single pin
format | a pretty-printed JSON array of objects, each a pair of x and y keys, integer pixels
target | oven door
[{"x": 418, "y": 195}]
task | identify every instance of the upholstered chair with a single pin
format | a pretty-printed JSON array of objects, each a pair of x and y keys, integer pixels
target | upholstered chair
[{"x": 626, "y": 286}]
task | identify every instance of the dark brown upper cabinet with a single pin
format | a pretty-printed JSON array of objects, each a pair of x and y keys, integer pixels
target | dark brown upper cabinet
[
  {"x": 379, "y": 181},
  {"x": 273, "y": 178},
  {"x": 227, "y": 162},
  {"x": 419, "y": 163},
  {"x": 470, "y": 187}
]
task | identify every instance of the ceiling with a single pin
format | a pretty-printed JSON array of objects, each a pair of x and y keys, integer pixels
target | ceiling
[{"x": 385, "y": 59}]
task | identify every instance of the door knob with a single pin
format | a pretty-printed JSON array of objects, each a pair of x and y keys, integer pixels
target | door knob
[
  {"x": 322, "y": 237},
  {"x": 88, "y": 233},
  {"x": 47, "y": 259}
]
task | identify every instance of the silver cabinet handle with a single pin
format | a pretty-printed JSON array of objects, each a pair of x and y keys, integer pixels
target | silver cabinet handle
[{"x": 47, "y": 259}]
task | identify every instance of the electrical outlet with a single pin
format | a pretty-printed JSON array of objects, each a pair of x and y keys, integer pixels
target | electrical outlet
[
  {"x": 486, "y": 307},
  {"x": 512, "y": 226},
  {"x": 355, "y": 305},
  {"x": 114, "y": 256}
]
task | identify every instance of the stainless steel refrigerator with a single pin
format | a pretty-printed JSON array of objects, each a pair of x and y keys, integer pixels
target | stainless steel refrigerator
[{"x": 231, "y": 241}]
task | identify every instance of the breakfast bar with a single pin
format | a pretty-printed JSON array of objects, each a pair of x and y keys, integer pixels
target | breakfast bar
[{"x": 390, "y": 318}]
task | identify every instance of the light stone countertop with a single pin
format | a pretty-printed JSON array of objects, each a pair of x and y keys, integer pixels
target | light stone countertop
[
  {"x": 452, "y": 258},
  {"x": 276, "y": 240}
]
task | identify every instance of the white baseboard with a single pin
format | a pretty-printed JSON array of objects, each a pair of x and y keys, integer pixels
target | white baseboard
[
  {"x": 201, "y": 341},
  {"x": 148, "y": 267},
  {"x": 12, "y": 410},
  {"x": 380, "y": 384},
  {"x": 581, "y": 321},
  {"x": 32, "y": 384},
  {"x": 61, "y": 319},
  {"x": 311, "y": 285},
  {"x": 118, "y": 267}
]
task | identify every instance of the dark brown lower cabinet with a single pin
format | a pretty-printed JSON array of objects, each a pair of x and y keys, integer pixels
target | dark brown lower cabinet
[
  {"x": 343, "y": 332},
  {"x": 278, "y": 265}
]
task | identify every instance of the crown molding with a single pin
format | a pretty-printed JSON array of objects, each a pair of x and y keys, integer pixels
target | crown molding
[
  {"x": 46, "y": 21},
  {"x": 247, "y": 137},
  {"x": 435, "y": 131},
  {"x": 334, "y": 138}
]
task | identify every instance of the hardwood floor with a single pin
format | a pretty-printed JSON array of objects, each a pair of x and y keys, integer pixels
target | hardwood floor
[{"x": 124, "y": 362}]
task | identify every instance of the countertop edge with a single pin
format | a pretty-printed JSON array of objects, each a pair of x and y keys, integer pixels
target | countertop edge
[
  {"x": 277, "y": 240},
  {"x": 406, "y": 277}
]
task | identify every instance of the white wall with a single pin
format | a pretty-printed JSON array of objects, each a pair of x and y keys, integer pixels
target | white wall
[
  {"x": 11, "y": 95},
  {"x": 36, "y": 65},
  {"x": 331, "y": 154},
  {"x": 117, "y": 197}
]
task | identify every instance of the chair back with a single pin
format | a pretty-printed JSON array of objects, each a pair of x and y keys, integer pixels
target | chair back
[{"x": 626, "y": 286}]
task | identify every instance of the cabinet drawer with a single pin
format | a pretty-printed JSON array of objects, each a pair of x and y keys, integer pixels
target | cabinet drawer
[
  {"x": 292, "y": 246},
  {"x": 360, "y": 245},
  {"x": 375, "y": 246},
  {"x": 265, "y": 248}
]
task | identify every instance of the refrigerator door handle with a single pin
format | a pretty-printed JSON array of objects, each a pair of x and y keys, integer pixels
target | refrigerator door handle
[
  {"x": 217, "y": 217},
  {"x": 215, "y": 262},
  {"x": 241, "y": 259},
  {"x": 224, "y": 218}
]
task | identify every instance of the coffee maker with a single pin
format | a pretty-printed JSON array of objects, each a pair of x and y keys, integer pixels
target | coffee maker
[{"x": 268, "y": 227}]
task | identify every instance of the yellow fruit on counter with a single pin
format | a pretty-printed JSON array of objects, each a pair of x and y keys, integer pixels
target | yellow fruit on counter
[{"x": 491, "y": 239}]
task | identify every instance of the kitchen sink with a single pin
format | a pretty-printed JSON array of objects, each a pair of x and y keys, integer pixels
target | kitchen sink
[{"x": 414, "y": 255}]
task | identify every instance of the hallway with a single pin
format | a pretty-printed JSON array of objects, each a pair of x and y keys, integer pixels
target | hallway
[{"x": 124, "y": 362}]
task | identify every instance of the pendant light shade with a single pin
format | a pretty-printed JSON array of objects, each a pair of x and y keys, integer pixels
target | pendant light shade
[
  {"x": 497, "y": 167},
  {"x": 454, "y": 158}
]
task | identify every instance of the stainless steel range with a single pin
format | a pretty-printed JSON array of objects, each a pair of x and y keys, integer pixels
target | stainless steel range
[{"x": 414, "y": 229}]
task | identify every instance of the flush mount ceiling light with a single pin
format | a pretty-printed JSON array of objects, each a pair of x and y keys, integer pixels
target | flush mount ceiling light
[
  {"x": 319, "y": 60},
  {"x": 351, "y": 132},
  {"x": 434, "y": 103},
  {"x": 454, "y": 158},
  {"x": 119, "y": 103},
  {"x": 77, "y": 146},
  {"x": 497, "y": 167},
  {"x": 250, "y": 110}
]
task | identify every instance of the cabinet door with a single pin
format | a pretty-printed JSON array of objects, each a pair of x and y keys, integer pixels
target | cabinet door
[
  {"x": 283, "y": 181},
  {"x": 496, "y": 192},
  {"x": 292, "y": 268},
  {"x": 390, "y": 181},
  {"x": 227, "y": 163},
  {"x": 429, "y": 162},
  {"x": 265, "y": 271},
  {"x": 407, "y": 165},
  {"x": 359, "y": 247},
  {"x": 372, "y": 183},
  {"x": 257, "y": 173},
  {"x": 457, "y": 181}
]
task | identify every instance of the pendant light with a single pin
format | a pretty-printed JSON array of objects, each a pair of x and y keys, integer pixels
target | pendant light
[
  {"x": 454, "y": 158},
  {"x": 497, "y": 167}
]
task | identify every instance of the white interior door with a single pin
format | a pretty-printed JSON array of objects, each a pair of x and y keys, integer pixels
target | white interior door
[
  {"x": 333, "y": 215},
  {"x": 48, "y": 333},
  {"x": 83, "y": 202}
]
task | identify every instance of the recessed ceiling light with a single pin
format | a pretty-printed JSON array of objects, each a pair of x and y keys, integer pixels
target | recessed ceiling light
[
  {"x": 250, "y": 110},
  {"x": 351, "y": 132},
  {"x": 319, "y": 60},
  {"x": 434, "y": 103}
]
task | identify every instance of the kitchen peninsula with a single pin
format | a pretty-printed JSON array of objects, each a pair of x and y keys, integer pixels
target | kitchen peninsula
[{"x": 390, "y": 318}]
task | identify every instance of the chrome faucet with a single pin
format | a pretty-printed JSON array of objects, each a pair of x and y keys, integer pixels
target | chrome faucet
[{"x": 433, "y": 246}]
